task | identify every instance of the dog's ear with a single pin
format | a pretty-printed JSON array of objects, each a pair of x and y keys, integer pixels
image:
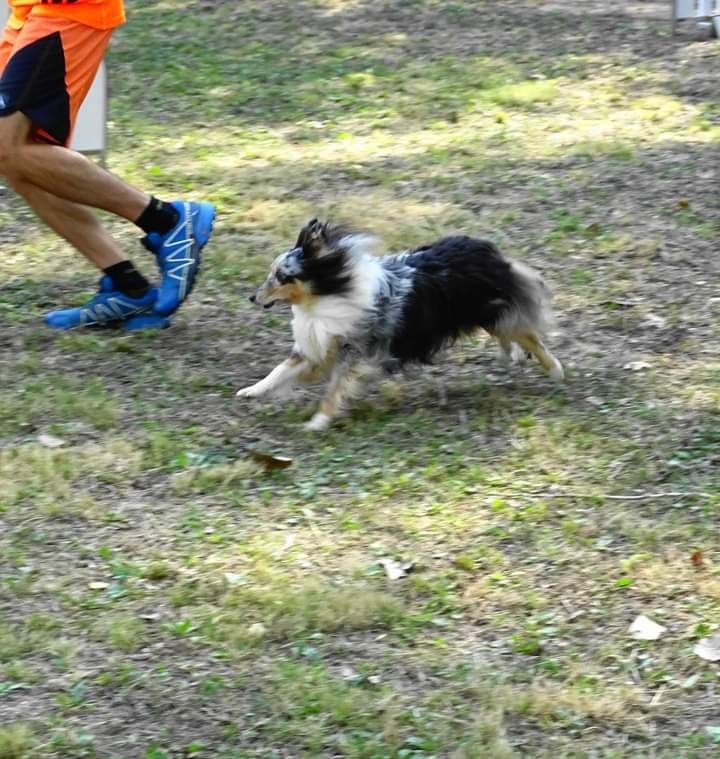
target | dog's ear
[{"x": 312, "y": 238}]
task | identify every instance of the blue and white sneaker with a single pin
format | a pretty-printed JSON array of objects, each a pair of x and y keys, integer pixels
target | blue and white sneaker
[
  {"x": 147, "y": 321},
  {"x": 178, "y": 253},
  {"x": 108, "y": 305}
]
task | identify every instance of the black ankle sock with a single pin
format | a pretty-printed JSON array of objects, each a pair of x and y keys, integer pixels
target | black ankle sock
[
  {"x": 158, "y": 217},
  {"x": 127, "y": 279}
]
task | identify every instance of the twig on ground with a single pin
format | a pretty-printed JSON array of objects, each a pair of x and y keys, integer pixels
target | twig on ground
[{"x": 630, "y": 497}]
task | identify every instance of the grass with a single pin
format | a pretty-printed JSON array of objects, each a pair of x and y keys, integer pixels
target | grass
[
  {"x": 164, "y": 593},
  {"x": 16, "y": 742}
]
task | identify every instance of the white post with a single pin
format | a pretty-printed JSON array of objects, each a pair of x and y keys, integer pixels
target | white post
[
  {"x": 89, "y": 135},
  {"x": 686, "y": 9},
  {"x": 705, "y": 12}
]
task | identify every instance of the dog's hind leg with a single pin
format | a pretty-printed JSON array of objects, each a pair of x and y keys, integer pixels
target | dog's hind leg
[
  {"x": 509, "y": 352},
  {"x": 532, "y": 343},
  {"x": 344, "y": 383}
]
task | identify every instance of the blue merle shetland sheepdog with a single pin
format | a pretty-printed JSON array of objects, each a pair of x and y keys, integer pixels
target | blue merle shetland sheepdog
[{"x": 354, "y": 311}]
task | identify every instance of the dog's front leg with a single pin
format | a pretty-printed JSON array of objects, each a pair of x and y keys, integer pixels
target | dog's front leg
[
  {"x": 344, "y": 383},
  {"x": 281, "y": 377}
]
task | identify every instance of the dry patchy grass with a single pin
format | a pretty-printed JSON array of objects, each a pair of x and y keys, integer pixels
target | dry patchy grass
[{"x": 162, "y": 595}]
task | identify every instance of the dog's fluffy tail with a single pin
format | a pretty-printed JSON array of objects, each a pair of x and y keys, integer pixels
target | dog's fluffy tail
[{"x": 531, "y": 311}]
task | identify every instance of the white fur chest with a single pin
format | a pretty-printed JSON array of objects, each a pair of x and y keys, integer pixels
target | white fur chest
[
  {"x": 319, "y": 325},
  {"x": 311, "y": 335},
  {"x": 316, "y": 330}
]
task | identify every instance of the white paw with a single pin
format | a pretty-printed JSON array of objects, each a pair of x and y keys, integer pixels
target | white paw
[
  {"x": 319, "y": 422},
  {"x": 557, "y": 372},
  {"x": 254, "y": 391},
  {"x": 514, "y": 356},
  {"x": 518, "y": 355},
  {"x": 503, "y": 359}
]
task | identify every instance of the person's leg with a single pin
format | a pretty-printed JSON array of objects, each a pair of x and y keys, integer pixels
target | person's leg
[
  {"x": 63, "y": 173},
  {"x": 38, "y": 79},
  {"x": 73, "y": 222},
  {"x": 44, "y": 82},
  {"x": 76, "y": 223},
  {"x": 48, "y": 67}
]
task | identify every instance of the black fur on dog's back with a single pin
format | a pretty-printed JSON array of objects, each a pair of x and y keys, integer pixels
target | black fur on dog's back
[{"x": 459, "y": 284}]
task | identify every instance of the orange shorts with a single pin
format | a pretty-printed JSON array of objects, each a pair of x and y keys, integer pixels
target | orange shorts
[{"x": 46, "y": 70}]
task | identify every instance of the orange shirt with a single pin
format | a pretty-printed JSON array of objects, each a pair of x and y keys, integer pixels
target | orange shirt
[{"x": 101, "y": 14}]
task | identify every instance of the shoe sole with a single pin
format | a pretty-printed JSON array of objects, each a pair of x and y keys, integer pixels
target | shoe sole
[
  {"x": 209, "y": 221},
  {"x": 145, "y": 321},
  {"x": 100, "y": 324}
]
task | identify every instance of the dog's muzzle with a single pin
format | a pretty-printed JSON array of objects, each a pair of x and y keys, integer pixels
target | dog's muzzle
[{"x": 254, "y": 299}]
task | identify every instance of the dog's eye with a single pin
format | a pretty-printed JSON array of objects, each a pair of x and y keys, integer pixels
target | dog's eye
[{"x": 284, "y": 278}]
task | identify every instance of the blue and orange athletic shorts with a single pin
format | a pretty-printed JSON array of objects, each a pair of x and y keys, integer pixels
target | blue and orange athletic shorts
[{"x": 47, "y": 67}]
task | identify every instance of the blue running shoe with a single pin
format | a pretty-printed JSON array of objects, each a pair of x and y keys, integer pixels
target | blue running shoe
[
  {"x": 178, "y": 253},
  {"x": 107, "y": 306},
  {"x": 149, "y": 320}
]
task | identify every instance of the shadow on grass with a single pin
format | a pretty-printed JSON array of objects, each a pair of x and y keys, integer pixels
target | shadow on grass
[{"x": 379, "y": 61}]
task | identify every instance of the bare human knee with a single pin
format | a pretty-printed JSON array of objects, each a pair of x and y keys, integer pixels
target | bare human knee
[{"x": 14, "y": 133}]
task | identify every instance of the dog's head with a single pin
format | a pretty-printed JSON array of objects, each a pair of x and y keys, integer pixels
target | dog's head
[{"x": 318, "y": 264}]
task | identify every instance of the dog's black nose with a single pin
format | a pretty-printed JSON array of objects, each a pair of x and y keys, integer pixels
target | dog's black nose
[{"x": 252, "y": 299}]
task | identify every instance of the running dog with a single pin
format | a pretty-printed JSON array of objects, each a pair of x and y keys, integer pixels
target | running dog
[{"x": 354, "y": 311}]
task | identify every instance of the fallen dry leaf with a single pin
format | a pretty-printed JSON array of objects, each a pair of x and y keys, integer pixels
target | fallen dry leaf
[
  {"x": 643, "y": 628},
  {"x": 708, "y": 648},
  {"x": 270, "y": 461},
  {"x": 654, "y": 321},
  {"x": 394, "y": 569},
  {"x": 347, "y": 672},
  {"x": 50, "y": 441},
  {"x": 235, "y": 578},
  {"x": 637, "y": 366},
  {"x": 257, "y": 630}
]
